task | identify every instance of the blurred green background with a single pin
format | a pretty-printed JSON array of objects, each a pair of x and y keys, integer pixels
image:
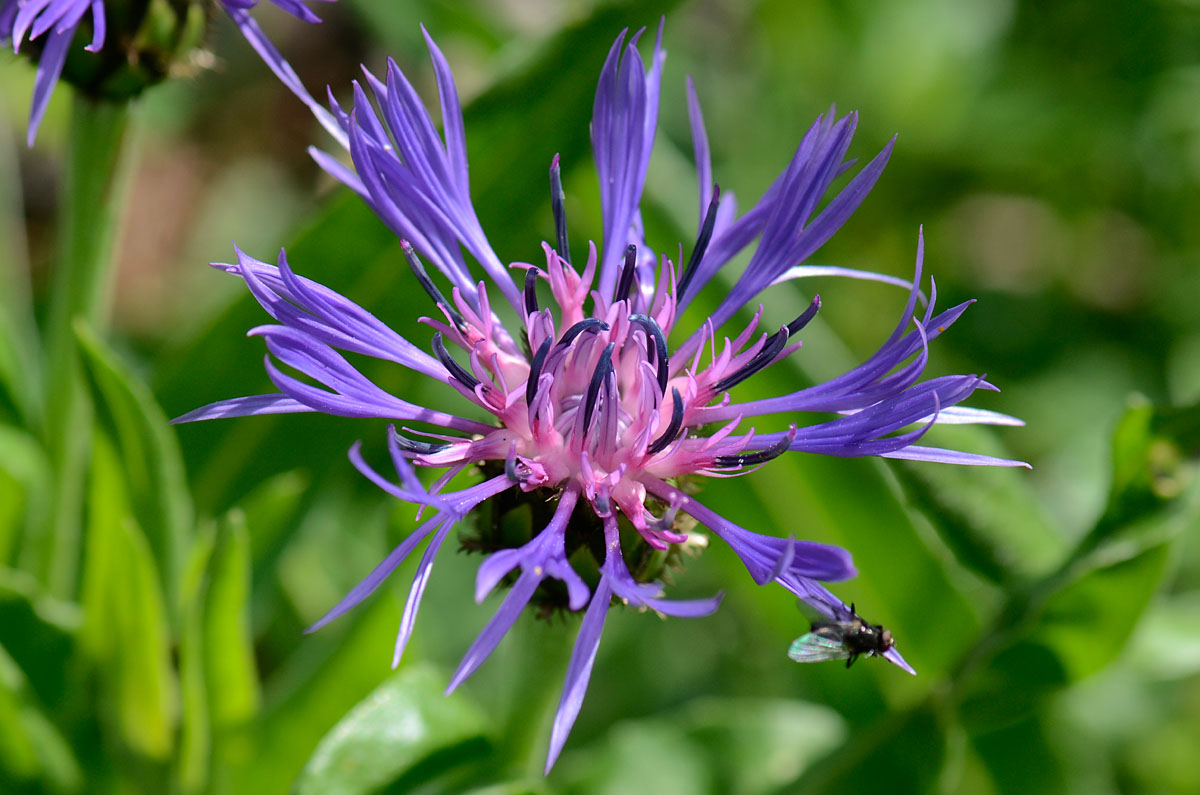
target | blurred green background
[{"x": 1051, "y": 152}]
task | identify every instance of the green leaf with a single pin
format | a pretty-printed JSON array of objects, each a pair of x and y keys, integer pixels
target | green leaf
[
  {"x": 1088, "y": 623},
  {"x": 19, "y": 365},
  {"x": 1081, "y": 629},
  {"x": 1021, "y": 759},
  {"x": 149, "y": 452},
  {"x": 910, "y": 746},
  {"x": 324, "y": 677},
  {"x": 762, "y": 745},
  {"x": 405, "y": 733},
  {"x": 38, "y": 633},
  {"x": 37, "y": 646},
  {"x": 643, "y": 756},
  {"x": 24, "y": 491},
  {"x": 217, "y": 669},
  {"x": 233, "y": 688},
  {"x": 192, "y": 762},
  {"x": 1167, "y": 644},
  {"x": 1077, "y": 619},
  {"x": 989, "y": 517},
  {"x": 1151, "y": 447},
  {"x": 271, "y": 512},
  {"x": 31, "y": 747},
  {"x": 737, "y": 745},
  {"x": 125, "y": 616}
]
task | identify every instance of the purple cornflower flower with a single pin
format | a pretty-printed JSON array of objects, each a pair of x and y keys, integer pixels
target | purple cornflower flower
[
  {"x": 58, "y": 20},
  {"x": 596, "y": 419}
]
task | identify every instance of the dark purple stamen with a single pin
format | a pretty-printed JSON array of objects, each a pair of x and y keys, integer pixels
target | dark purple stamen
[
  {"x": 590, "y": 324},
  {"x": 603, "y": 368},
  {"x": 535, "y": 370},
  {"x": 759, "y": 457},
  {"x": 456, "y": 370},
  {"x": 510, "y": 467},
  {"x": 557, "y": 201},
  {"x": 628, "y": 274},
  {"x": 654, "y": 333},
  {"x": 770, "y": 349},
  {"x": 416, "y": 446},
  {"x": 672, "y": 430},
  {"x": 710, "y": 221},
  {"x": 531, "y": 302},
  {"x": 805, "y": 317},
  {"x": 432, "y": 289}
]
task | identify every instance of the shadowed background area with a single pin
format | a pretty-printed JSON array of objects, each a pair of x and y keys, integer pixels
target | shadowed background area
[{"x": 1051, "y": 153}]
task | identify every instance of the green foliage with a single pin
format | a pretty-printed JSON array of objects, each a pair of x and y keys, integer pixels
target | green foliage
[
  {"x": 147, "y": 453},
  {"x": 125, "y": 629},
  {"x": 402, "y": 736},
  {"x": 153, "y": 639}
]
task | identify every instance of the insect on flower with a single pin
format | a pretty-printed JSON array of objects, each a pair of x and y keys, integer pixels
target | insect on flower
[
  {"x": 841, "y": 640},
  {"x": 584, "y": 426}
]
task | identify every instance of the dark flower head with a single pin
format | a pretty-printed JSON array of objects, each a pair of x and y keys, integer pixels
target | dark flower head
[
  {"x": 55, "y": 23},
  {"x": 594, "y": 420},
  {"x": 153, "y": 33}
]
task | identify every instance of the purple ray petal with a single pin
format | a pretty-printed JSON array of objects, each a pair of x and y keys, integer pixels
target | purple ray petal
[
  {"x": 700, "y": 150},
  {"x": 687, "y": 608},
  {"x": 380, "y": 573},
  {"x": 811, "y": 271},
  {"x": 416, "y": 182},
  {"x": 543, "y": 556},
  {"x": 244, "y": 407},
  {"x": 326, "y": 315},
  {"x": 624, "y": 121},
  {"x": 497, "y": 628},
  {"x": 413, "y": 603},
  {"x": 579, "y": 672},
  {"x": 893, "y": 656},
  {"x": 452, "y": 118},
  {"x": 50, "y": 66},
  {"x": 760, "y": 553},
  {"x": 354, "y": 395},
  {"x": 495, "y": 568},
  {"x": 335, "y": 169},
  {"x": 99, "y": 27},
  {"x": 941, "y": 456},
  {"x": 964, "y": 415},
  {"x": 275, "y": 61}
]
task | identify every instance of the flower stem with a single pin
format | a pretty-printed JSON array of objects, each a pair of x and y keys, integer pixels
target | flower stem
[
  {"x": 89, "y": 214},
  {"x": 545, "y": 647}
]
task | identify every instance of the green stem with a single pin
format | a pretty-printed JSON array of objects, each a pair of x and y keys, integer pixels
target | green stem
[
  {"x": 1022, "y": 610},
  {"x": 545, "y": 647},
  {"x": 20, "y": 363},
  {"x": 89, "y": 216}
]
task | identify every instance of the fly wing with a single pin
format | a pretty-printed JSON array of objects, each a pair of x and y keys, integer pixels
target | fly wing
[{"x": 815, "y": 647}]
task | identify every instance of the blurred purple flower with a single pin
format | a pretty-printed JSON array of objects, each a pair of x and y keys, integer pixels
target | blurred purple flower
[
  {"x": 58, "y": 20},
  {"x": 596, "y": 415}
]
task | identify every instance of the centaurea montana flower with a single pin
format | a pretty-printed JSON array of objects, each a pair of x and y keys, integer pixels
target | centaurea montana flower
[
  {"x": 594, "y": 420},
  {"x": 58, "y": 21}
]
